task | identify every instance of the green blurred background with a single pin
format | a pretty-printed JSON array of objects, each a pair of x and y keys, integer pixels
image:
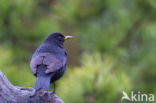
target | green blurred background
[{"x": 113, "y": 49}]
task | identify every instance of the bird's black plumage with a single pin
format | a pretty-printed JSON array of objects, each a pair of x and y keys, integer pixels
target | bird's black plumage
[{"x": 48, "y": 63}]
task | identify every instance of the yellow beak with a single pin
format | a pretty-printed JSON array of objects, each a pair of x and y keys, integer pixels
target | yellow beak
[{"x": 67, "y": 37}]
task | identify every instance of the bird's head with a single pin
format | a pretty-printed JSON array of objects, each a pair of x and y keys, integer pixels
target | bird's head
[{"x": 57, "y": 38}]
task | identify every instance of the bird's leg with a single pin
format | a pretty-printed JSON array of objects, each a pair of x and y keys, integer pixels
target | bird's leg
[{"x": 54, "y": 91}]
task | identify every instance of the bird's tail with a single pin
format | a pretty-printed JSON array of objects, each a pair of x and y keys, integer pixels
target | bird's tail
[{"x": 43, "y": 79}]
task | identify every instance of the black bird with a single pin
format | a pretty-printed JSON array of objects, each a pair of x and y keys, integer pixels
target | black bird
[{"x": 48, "y": 63}]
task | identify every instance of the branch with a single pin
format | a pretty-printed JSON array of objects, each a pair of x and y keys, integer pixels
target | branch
[{"x": 14, "y": 94}]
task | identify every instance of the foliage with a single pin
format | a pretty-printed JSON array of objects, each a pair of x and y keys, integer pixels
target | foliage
[
  {"x": 114, "y": 38},
  {"x": 99, "y": 82}
]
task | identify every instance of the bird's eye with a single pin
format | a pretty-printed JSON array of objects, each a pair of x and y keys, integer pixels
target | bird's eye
[{"x": 60, "y": 38}]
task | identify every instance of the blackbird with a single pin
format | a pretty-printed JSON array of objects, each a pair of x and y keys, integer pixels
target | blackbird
[{"x": 48, "y": 63}]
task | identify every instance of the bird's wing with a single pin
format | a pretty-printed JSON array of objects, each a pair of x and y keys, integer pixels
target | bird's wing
[
  {"x": 36, "y": 60},
  {"x": 52, "y": 62}
]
